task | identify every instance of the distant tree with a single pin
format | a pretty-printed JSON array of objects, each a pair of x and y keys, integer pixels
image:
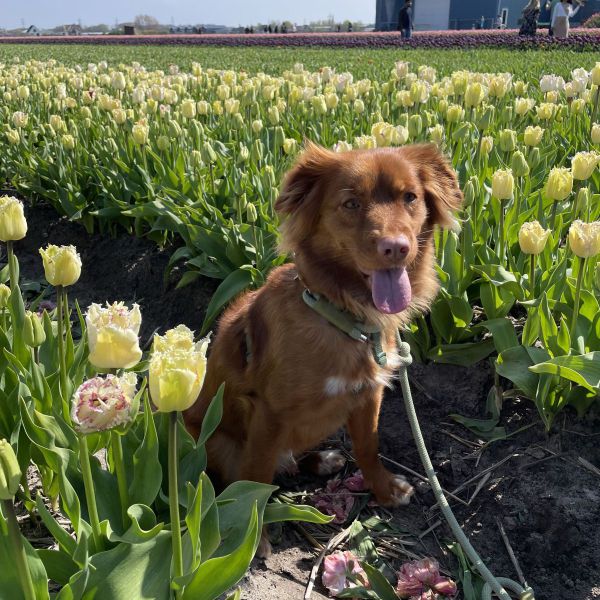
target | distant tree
[
  {"x": 145, "y": 21},
  {"x": 593, "y": 21},
  {"x": 102, "y": 27}
]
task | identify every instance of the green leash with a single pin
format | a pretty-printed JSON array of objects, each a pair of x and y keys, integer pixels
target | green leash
[
  {"x": 492, "y": 584},
  {"x": 363, "y": 333}
]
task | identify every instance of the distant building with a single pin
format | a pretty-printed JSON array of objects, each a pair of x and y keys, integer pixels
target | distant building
[
  {"x": 32, "y": 30},
  {"x": 73, "y": 29},
  {"x": 466, "y": 14}
]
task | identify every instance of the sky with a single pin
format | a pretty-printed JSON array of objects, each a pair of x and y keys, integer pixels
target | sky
[{"x": 49, "y": 13}]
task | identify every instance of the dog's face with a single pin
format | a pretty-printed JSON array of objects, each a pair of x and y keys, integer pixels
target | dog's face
[{"x": 366, "y": 218}]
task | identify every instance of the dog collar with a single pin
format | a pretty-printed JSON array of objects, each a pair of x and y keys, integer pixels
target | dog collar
[{"x": 345, "y": 322}]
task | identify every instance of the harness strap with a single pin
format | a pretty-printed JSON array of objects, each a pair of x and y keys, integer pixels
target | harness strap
[{"x": 345, "y": 322}]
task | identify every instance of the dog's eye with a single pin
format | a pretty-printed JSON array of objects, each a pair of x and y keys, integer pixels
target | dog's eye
[
  {"x": 409, "y": 197},
  {"x": 352, "y": 204}
]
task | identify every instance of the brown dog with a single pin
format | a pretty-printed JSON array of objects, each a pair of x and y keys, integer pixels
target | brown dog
[{"x": 360, "y": 227}]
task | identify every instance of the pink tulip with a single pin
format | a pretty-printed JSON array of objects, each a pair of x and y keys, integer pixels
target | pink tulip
[
  {"x": 336, "y": 569},
  {"x": 421, "y": 580}
]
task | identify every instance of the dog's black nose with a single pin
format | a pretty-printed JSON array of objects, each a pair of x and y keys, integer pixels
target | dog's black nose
[{"x": 393, "y": 248}]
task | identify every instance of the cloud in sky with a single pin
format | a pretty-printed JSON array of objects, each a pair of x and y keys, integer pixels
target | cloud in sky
[{"x": 45, "y": 13}]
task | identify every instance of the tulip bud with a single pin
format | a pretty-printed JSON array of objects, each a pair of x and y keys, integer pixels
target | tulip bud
[
  {"x": 68, "y": 142},
  {"x": 163, "y": 142},
  {"x": 578, "y": 106},
  {"x": 359, "y": 106},
  {"x": 4, "y": 295},
  {"x": 436, "y": 134},
  {"x": 102, "y": 403},
  {"x": 486, "y": 119},
  {"x": 278, "y": 137},
  {"x": 560, "y": 183},
  {"x": 257, "y": 151},
  {"x": 534, "y": 158},
  {"x": 583, "y": 200},
  {"x": 203, "y": 107},
  {"x": 243, "y": 154},
  {"x": 289, "y": 145},
  {"x": 22, "y": 92},
  {"x": 273, "y": 115},
  {"x": 507, "y": 115},
  {"x": 331, "y": 100},
  {"x": 507, "y": 140},
  {"x": 385, "y": 110},
  {"x": 175, "y": 129},
  {"x": 597, "y": 276},
  {"x": 583, "y": 165},
  {"x": 10, "y": 472},
  {"x": 177, "y": 369},
  {"x": 519, "y": 165},
  {"x": 532, "y": 237},
  {"x": 342, "y": 146},
  {"x": 595, "y": 133},
  {"x": 595, "y": 74},
  {"x": 584, "y": 238},
  {"x": 33, "y": 330},
  {"x": 415, "y": 125},
  {"x": 251, "y": 214},
  {"x": 13, "y": 137},
  {"x": 503, "y": 184},
  {"x": 208, "y": 154},
  {"x": 319, "y": 105},
  {"x": 487, "y": 143},
  {"x": 13, "y": 225},
  {"x": 471, "y": 191},
  {"x": 118, "y": 81}
]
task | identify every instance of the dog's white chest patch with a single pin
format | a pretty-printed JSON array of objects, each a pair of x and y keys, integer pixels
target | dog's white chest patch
[{"x": 337, "y": 386}]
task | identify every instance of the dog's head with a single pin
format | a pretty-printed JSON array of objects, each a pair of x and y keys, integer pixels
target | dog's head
[{"x": 360, "y": 224}]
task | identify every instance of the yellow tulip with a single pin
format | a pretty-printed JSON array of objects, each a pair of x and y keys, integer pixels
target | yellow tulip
[
  {"x": 203, "y": 107},
  {"x": 533, "y": 237},
  {"x": 13, "y": 137},
  {"x": 533, "y": 135},
  {"x": 62, "y": 264},
  {"x": 474, "y": 94},
  {"x": 4, "y": 295},
  {"x": 177, "y": 369},
  {"x": 119, "y": 115},
  {"x": 560, "y": 183},
  {"x": 289, "y": 145},
  {"x": 584, "y": 238},
  {"x": 583, "y": 164},
  {"x": 595, "y": 133},
  {"x": 67, "y": 141},
  {"x": 10, "y": 472},
  {"x": 13, "y": 225},
  {"x": 546, "y": 111},
  {"x": 113, "y": 335},
  {"x": 503, "y": 184},
  {"x": 595, "y": 74},
  {"x": 188, "y": 109},
  {"x": 487, "y": 143},
  {"x": 139, "y": 133},
  {"x": 455, "y": 113}
]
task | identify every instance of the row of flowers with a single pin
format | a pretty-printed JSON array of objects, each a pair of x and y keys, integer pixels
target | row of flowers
[{"x": 579, "y": 39}]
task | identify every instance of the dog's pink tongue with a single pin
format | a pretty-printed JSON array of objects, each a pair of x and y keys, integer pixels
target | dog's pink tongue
[{"x": 391, "y": 290}]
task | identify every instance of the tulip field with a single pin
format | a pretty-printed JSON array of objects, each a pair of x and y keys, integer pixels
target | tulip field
[{"x": 172, "y": 148}]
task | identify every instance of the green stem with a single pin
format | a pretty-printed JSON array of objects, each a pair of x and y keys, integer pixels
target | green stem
[
  {"x": 90, "y": 496},
  {"x": 117, "y": 452},
  {"x": 67, "y": 312},
  {"x": 577, "y": 297},
  {"x": 532, "y": 276},
  {"x": 595, "y": 109},
  {"x": 501, "y": 234},
  {"x": 174, "y": 500},
  {"x": 61, "y": 353},
  {"x": 12, "y": 267},
  {"x": 553, "y": 215},
  {"x": 18, "y": 550}
]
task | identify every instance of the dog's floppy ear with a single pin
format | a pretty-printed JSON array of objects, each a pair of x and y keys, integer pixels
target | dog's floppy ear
[
  {"x": 442, "y": 194},
  {"x": 301, "y": 183}
]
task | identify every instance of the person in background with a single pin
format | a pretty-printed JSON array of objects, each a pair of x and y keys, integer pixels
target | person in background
[
  {"x": 405, "y": 20},
  {"x": 529, "y": 19},
  {"x": 561, "y": 14}
]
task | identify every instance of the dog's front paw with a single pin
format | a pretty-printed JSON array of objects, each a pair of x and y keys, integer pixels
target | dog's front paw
[{"x": 395, "y": 491}]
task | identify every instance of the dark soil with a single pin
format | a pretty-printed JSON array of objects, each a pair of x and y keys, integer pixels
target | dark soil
[{"x": 547, "y": 499}]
